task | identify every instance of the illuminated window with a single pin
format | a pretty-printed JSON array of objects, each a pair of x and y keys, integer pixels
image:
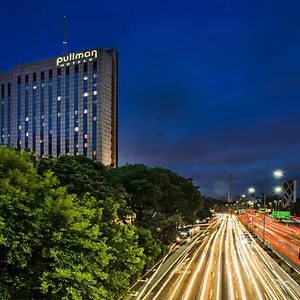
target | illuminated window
[
  {"x": 68, "y": 153},
  {"x": 76, "y": 128},
  {"x": 34, "y": 87},
  {"x": 95, "y": 93},
  {"x": 20, "y": 127},
  {"x": 85, "y": 111},
  {"x": 42, "y": 117},
  {"x": 58, "y": 98},
  {"x": 58, "y": 114},
  {"x": 75, "y": 112},
  {"x": 85, "y": 94},
  {"x": 95, "y": 75},
  {"x": 76, "y": 153},
  {"x": 27, "y": 119},
  {"x": 85, "y": 145},
  {"x": 85, "y": 78},
  {"x": 85, "y": 136},
  {"x": 94, "y": 118},
  {"x": 26, "y": 133},
  {"x": 41, "y": 141},
  {"x": 95, "y": 152}
]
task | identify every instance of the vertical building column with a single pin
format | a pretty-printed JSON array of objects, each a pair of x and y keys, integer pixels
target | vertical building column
[
  {"x": 63, "y": 113},
  {"x": 5, "y": 99},
  {"x": 46, "y": 113},
  {"x": 71, "y": 111},
  {"x": 23, "y": 113},
  {"x": 38, "y": 114},
  {"x": 99, "y": 104},
  {"x": 114, "y": 111},
  {"x": 14, "y": 112},
  {"x": 80, "y": 109},
  {"x": 30, "y": 116},
  {"x": 90, "y": 111},
  {"x": 54, "y": 113}
]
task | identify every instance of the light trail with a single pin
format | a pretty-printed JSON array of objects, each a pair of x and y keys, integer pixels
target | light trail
[
  {"x": 203, "y": 290},
  {"x": 247, "y": 267},
  {"x": 236, "y": 266},
  {"x": 227, "y": 261},
  {"x": 219, "y": 267},
  {"x": 179, "y": 264}
]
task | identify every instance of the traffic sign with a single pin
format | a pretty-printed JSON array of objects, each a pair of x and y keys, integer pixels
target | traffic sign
[{"x": 281, "y": 214}]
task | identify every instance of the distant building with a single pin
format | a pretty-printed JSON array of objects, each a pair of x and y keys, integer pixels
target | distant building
[{"x": 65, "y": 105}]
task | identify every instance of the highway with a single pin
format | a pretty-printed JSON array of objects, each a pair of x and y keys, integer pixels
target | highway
[
  {"x": 283, "y": 239},
  {"x": 224, "y": 265}
]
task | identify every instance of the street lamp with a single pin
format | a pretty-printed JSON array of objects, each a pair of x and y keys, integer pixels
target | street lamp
[
  {"x": 278, "y": 189},
  {"x": 251, "y": 190},
  {"x": 275, "y": 201},
  {"x": 278, "y": 174}
]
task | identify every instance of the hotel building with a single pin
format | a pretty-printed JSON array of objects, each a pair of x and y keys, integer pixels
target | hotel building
[{"x": 65, "y": 105}]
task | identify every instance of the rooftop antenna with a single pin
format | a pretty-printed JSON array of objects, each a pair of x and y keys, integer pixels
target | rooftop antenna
[{"x": 65, "y": 35}]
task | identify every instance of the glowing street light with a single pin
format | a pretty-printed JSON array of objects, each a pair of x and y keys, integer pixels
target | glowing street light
[
  {"x": 278, "y": 189},
  {"x": 243, "y": 196},
  {"x": 278, "y": 174},
  {"x": 251, "y": 190}
]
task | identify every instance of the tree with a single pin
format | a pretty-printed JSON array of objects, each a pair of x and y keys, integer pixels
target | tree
[
  {"x": 55, "y": 245},
  {"x": 161, "y": 198}
]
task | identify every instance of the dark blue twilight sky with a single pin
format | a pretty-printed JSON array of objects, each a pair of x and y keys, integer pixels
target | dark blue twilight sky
[{"x": 205, "y": 88}]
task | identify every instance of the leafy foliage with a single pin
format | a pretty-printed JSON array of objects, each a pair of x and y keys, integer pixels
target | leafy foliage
[{"x": 54, "y": 245}]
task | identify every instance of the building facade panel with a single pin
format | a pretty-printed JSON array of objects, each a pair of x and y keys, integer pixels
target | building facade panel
[{"x": 66, "y": 105}]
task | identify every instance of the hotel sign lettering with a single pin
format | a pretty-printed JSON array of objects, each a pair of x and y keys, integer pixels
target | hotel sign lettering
[{"x": 76, "y": 58}]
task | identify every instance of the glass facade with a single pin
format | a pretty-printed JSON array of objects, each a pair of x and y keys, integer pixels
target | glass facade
[
  {"x": 2, "y": 114},
  {"x": 67, "y": 128},
  {"x": 85, "y": 111},
  {"x": 76, "y": 125},
  {"x": 58, "y": 107},
  {"x": 94, "y": 113},
  {"x": 34, "y": 133},
  {"x": 19, "y": 124},
  {"x": 53, "y": 108},
  {"x": 42, "y": 115},
  {"x": 26, "y": 113},
  {"x": 50, "y": 113}
]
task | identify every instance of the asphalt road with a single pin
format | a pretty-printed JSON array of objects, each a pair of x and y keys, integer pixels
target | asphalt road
[
  {"x": 282, "y": 239},
  {"x": 221, "y": 265}
]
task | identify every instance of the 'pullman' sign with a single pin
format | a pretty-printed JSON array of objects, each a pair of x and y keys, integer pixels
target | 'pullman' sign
[{"x": 76, "y": 58}]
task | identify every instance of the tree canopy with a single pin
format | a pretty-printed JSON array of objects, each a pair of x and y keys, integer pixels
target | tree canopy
[{"x": 63, "y": 233}]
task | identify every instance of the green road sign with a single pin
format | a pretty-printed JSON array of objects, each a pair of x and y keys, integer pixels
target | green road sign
[{"x": 281, "y": 214}]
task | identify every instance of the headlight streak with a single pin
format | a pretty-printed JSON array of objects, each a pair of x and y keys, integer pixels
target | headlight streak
[
  {"x": 247, "y": 267},
  {"x": 257, "y": 269},
  {"x": 227, "y": 261},
  {"x": 219, "y": 267},
  {"x": 236, "y": 267},
  {"x": 203, "y": 291},
  {"x": 188, "y": 266},
  {"x": 179, "y": 263},
  {"x": 275, "y": 273}
]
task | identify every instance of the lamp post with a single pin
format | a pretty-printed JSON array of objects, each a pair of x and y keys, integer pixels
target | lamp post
[{"x": 251, "y": 190}]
